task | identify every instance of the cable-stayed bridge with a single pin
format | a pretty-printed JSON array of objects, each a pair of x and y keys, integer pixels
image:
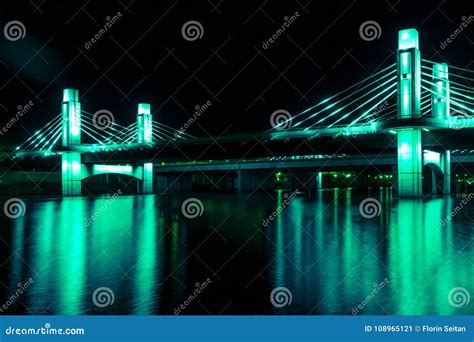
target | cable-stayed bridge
[{"x": 403, "y": 101}]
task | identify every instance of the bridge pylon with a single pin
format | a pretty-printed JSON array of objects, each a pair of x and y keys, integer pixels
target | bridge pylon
[
  {"x": 71, "y": 125},
  {"x": 409, "y": 107},
  {"x": 413, "y": 161},
  {"x": 440, "y": 108},
  {"x": 74, "y": 171},
  {"x": 145, "y": 135}
]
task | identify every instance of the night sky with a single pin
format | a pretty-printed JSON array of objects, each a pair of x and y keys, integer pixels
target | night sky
[{"x": 144, "y": 57}]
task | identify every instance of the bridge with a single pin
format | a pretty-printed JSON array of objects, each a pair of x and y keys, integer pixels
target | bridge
[{"x": 403, "y": 102}]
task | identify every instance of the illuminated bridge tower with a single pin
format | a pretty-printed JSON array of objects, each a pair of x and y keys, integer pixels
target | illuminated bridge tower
[
  {"x": 419, "y": 169},
  {"x": 145, "y": 135},
  {"x": 74, "y": 170},
  {"x": 409, "y": 138},
  {"x": 440, "y": 109},
  {"x": 71, "y": 136}
]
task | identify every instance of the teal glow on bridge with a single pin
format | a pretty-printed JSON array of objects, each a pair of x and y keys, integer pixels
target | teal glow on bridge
[{"x": 407, "y": 97}]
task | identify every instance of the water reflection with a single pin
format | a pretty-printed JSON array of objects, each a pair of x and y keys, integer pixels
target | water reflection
[{"x": 320, "y": 248}]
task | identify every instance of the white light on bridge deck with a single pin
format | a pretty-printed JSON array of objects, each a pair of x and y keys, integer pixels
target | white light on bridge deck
[{"x": 112, "y": 169}]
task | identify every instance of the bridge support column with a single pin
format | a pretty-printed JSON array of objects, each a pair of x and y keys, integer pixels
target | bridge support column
[
  {"x": 237, "y": 181},
  {"x": 440, "y": 100},
  {"x": 440, "y": 104},
  {"x": 71, "y": 125},
  {"x": 409, "y": 103},
  {"x": 145, "y": 135},
  {"x": 409, "y": 163},
  {"x": 319, "y": 180},
  {"x": 446, "y": 163},
  {"x": 147, "y": 187},
  {"x": 71, "y": 173}
]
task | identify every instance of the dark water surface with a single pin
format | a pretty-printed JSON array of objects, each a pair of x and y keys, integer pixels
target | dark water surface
[{"x": 321, "y": 249}]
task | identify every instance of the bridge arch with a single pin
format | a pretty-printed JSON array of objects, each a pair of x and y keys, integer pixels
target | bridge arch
[
  {"x": 143, "y": 174},
  {"x": 97, "y": 169},
  {"x": 433, "y": 179}
]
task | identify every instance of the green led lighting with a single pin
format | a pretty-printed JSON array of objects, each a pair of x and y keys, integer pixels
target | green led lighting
[
  {"x": 452, "y": 101},
  {"x": 408, "y": 39},
  {"x": 144, "y": 124},
  {"x": 349, "y": 96},
  {"x": 409, "y": 163},
  {"x": 144, "y": 108},
  {"x": 123, "y": 169},
  {"x": 368, "y": 112},
  {"x": 409, "y": 72},
  {"x": 71, "y": 114},
  {"x": 340, "y": 93},
  {"x": 354, "y": 101},
  {"x": 431, "y": 157},
  {"x": 147, "y": 178}
]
